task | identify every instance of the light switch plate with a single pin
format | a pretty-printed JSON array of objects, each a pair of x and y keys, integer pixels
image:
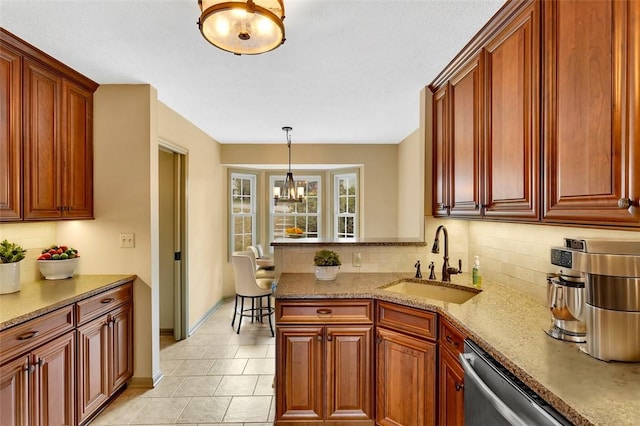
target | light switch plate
[{"x": 127, "y": 240}]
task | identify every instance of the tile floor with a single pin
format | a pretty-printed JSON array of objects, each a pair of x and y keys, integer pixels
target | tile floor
[{"x": 215, "y": 377}]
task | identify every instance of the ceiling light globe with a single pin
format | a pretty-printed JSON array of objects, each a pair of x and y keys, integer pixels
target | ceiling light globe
[{"x": 243, "y": 27}]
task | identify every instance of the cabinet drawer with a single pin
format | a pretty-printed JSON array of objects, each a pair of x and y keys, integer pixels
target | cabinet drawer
[
  {"x": 324, "y": 311},
  {"x": 451, "y": 338},
  {"x": 409, "y": 320},
  {"x": 26, "y": 336},
  {"x": 104, "y": 302}
]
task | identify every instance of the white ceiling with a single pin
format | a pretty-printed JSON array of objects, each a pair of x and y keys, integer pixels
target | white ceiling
[{"x": 350, "y": 71}]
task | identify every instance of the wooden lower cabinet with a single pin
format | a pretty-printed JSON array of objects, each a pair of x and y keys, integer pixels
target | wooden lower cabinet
[
  {"x": 105, "y": 359},
  {"x": 62, "y": 367},
  {"x": 324, "y": 367},
  {"x": 38, "y": 388},
  {"x": 406, "y": 380},
  {"x": 451, "y": 390}
]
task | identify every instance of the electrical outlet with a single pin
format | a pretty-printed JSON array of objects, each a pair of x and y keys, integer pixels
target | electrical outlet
[
  {"x": 127, "y": 240},
  {"x": 356, "y": 259}
]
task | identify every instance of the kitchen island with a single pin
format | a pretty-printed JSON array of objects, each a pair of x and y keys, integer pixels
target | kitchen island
[{"x": 510, "y": 326}]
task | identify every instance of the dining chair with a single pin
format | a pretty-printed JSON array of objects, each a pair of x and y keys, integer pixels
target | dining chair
[{"x": 248, "y": 286}]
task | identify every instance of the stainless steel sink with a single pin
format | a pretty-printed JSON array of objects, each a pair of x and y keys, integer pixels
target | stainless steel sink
[{"x": 432, "y": 291}]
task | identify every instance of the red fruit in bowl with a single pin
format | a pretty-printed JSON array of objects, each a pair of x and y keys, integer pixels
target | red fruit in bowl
[{"x": 46, "y": 256}]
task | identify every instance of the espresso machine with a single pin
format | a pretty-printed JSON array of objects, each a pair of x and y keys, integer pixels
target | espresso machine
[{"x": 611, "y": 310}]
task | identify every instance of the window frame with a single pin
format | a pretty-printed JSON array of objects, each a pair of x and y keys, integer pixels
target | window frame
[
  {"x": 337, "y": 215},
  {"x": 253, "y": 214},
  {"x": 319, "y": 214}
]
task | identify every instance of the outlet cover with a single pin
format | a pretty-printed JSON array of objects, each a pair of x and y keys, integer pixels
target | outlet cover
[{"x": 127, "y": 240}]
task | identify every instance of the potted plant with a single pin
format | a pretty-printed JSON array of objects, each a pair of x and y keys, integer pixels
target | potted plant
[
  {"x": 327, "y": 264},
  {"x": 10, "y": 255}
]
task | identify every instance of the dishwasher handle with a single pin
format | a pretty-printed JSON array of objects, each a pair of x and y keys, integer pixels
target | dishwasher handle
[{"x": 466, "y": 359}]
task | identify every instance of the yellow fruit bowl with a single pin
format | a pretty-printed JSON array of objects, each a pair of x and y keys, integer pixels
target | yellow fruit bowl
[{"x": 57, "y": 269}]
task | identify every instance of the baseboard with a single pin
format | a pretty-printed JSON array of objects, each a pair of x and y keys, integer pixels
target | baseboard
[
  {"x": 206, "y": 316},
  {"x": 146, "y": 382}
]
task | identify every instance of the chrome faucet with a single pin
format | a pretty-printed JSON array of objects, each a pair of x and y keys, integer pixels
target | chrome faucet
[{"x": 447, "y": 270}]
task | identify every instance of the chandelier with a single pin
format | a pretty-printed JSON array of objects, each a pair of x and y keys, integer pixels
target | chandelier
[
  {"x": 290, "y": 193},
  {"x": 241, "y": 27}
]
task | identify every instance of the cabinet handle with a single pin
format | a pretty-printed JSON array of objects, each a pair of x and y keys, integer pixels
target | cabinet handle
[
  {"x": 625, "y": 203},
  {"x": 323, "y": 311},
  {"x": 319, "y": 338},
  {"x": 450, "y": 341},
  {"x": 329, "y": 337},
  {"x": 28, "y": 335},
  {"x": 108, "y": 300},
  {"x": 40, "y": 362},
  {"x": 459, "y": 387}
]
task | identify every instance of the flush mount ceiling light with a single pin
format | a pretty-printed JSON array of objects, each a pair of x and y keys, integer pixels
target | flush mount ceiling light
[
  {"x": 289, "y": 194},
  {"x": 246, "y": 27}
]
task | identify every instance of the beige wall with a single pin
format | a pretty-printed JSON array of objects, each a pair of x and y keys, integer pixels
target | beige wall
[
  {"x": 379, "y": 174},
  {"x": 206, "y": 250}
]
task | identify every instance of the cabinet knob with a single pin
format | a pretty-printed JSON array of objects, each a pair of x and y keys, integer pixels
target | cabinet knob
[
  {"x": 625, "y": 203},
  {"x": 459, "y": 387}
]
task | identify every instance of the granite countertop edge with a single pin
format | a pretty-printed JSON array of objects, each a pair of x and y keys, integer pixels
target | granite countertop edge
[
  {"x": 468, "y": 317},
  {"x": 90, "y": 286}
]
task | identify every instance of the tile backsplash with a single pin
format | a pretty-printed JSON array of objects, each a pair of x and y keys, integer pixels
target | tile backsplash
[
  {"x": 514, "y": 255},
  {"x": 32, "y": 236}
]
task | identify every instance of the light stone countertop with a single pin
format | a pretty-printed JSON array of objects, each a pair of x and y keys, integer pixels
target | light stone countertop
[
  {"x": 44, "y": 296},
  {"x": 510, "y": 326}
]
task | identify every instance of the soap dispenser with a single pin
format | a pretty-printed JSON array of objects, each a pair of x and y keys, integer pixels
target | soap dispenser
[{"x": 476, "y": 277}]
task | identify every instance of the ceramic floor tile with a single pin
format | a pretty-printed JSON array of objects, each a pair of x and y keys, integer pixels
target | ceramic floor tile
[
  {"x": 164, "y": 389},
  {"x": 271, "y": 351},
  {"x": 193, "y": 367},
  {"x": 161, "y": 410},
  {"x": 120, "y": 412},
  {"x": 223, "y": 367},
  {"x": 248, "y": 409},
  {"x": 188, "y": 352},
  {"x": 168, "y": 366},
  {"x": 253, "y": 351},
  {"x": 198, "y": 386},
  {"x": 221, "y": 351},
  {"x": 236, "y": 385},
  {"x": 264, "y": 385},
  {"x": 205, "y": 409},
  {"x": 260, "y": 366}
]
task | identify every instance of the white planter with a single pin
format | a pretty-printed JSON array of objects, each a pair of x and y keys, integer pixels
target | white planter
[
  {"x": 326, "y": 273},
  {"x": 9, "y": 277}
]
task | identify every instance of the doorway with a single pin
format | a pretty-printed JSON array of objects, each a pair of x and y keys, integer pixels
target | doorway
[{"x": 172, "y": 254}]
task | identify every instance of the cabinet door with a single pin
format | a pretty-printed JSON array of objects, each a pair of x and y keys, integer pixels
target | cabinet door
[
  {"x": 121, "y": 346},
  {"x": 451, "y": 390},
  {"x": 54, "y": 382},
  {"x": 299, "y": 380},
  {"x": 465, "y": 95},
  {"x": 591, "y": 111},
  {"x": 441, "y": 153},
  {"x": 14, "y": 392},
  {"x": 42, "y": 181},
  {"x": 511, "y": 154},
  {"x": 93, "y": 366},
  {"x": 10, "y": 134},
  {"x": 349, "y": 373},
  {"x": 77, "y": 152},
  {"x": 406, "y": 382}
]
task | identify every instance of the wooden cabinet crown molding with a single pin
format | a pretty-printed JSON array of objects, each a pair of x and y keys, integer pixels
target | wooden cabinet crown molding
[{"x": 7, "y": 38}]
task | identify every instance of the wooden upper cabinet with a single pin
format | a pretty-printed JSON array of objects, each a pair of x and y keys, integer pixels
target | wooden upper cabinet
[
  {"x": 46, "y": 136},
  {"x": 42, "y": 151},
  {"x": 591, "y": 94},
  {"x": 10, "y": 134},
  {"x": 465, "y": 125},
  {"x": 440, "y": 153},
  {"x": 512, "y": 147}
]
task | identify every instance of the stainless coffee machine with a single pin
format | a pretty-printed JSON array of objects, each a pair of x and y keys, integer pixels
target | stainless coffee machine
[
  {"x": 565, "y": 294},
  {"x": 611, "y": 272}
]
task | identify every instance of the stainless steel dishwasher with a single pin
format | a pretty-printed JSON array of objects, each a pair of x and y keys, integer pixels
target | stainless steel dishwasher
[{"x": 495, "y": 397}]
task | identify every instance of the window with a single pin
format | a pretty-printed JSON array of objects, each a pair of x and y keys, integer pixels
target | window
[
  {"x": 243, "y": 211},
  {"x": 345, "y": 200},
  {"x": 305, "y": 215}
]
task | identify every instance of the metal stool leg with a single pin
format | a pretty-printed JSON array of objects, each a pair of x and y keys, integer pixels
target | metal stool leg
[
  {"x": 235, "y": 311},
  {"x": 241, "y": 313},
  {"x": 269, "y": 308}
]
